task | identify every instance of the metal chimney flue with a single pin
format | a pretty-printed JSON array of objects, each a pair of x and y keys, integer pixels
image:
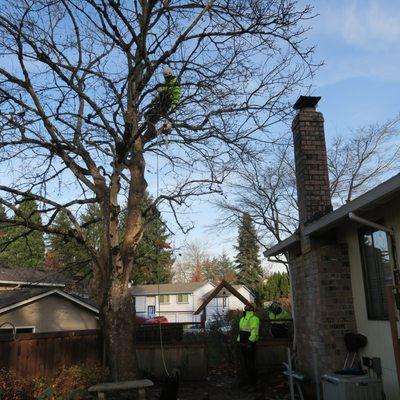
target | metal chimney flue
[{"x": 309, "y": 102}]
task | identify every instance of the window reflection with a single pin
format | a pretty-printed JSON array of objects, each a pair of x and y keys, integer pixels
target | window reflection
[{"x": 377, "y": 271}]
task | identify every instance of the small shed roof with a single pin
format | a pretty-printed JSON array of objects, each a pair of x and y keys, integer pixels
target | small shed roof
[
  {"x": 167, "y": 288},
  {"x": 215, "y": 292}
]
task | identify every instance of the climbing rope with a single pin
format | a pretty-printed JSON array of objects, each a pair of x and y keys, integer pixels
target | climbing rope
[{"x": 158, "y": 279}]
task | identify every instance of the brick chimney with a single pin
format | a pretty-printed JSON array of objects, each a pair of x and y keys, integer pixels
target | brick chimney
[
  {"x": 311, "y": 160},
  {"x": 320, "y": 272}
]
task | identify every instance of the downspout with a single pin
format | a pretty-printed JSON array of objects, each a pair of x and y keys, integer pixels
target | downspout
[
  {"x": 390, "y": 232},
  {"x": 367, "y": 222}
]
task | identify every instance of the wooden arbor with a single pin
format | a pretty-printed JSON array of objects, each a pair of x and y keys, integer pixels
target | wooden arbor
[{"x": 223, "y": 285}]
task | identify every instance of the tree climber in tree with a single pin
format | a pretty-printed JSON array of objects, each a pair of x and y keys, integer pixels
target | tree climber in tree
[{"x": 165, "y": 102}]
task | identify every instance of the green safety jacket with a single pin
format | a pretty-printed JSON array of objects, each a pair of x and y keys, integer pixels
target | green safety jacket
[
  {"x": 283, "y": 315},
  {"x": 250, "y": 323},
  {"x": 172, "y": 88}
]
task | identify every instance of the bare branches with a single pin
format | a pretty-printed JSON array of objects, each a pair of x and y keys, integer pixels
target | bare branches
[
  {"x": 361, "y": 161},
  {"x": 265, "y": 186},
  {"x": 77, "y": 81}
]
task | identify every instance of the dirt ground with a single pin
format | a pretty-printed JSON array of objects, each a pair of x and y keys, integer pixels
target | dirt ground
[{"x": 221, "y": 385}]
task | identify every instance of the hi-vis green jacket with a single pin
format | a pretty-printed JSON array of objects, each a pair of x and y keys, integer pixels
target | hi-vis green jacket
[
  {"x": 283, "y": 315},
  {"x": 250, "y": 323},
  {"x": 172, "y": 88}
]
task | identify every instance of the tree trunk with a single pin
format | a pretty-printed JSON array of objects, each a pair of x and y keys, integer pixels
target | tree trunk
[{"x": 117, "y": 320}]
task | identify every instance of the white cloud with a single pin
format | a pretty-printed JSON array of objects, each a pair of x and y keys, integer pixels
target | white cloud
[
  {"x": 357, "y": 39},
  {"x": 363, "y": 23}
]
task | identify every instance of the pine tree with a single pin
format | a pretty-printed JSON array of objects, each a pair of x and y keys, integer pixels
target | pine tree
[
  {"x": 19, "y": 246},
  {"x": 248, "y": 265},
  {"x": 154, "y": 259},
  {"x": 225, "y": 268},
  {"x": 5, "y": 231},
  {"x": 66, "y": 254},
  {"x": 277, "y": 286},
  {"x": 93, "y": 231}
]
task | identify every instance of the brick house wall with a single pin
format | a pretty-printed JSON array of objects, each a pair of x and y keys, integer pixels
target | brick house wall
[
  {"x": 323, "y": 306},
  {"x": 320, "y": 271}
]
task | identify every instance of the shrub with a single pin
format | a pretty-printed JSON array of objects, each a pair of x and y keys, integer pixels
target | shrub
[
  {"x": 12, "y": 388},
  {"x": 70, "y": 383}
]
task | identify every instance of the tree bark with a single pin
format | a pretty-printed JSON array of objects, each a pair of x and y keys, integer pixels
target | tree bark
[
  {"x": 117, "y": 311},
  {"x": 117, "y": 323}
]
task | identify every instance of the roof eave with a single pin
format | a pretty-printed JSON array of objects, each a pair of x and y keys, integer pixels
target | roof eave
[
  {"x": 161, "y": 291},
  {"x": 283, "y": 246},
  {"x": 26, "y": 283},
  {"x": 374, "y": 197}
]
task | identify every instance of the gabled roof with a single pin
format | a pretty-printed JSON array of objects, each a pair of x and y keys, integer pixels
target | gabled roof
[
  {"x": 10, "y": 299},
  {"x": 214, "y": 293},
  {"x": 30, "y": 277},
  {"x": 167, "y": 288},
  {"x": 374, "y": 198},
  {"x": 222, "y": 293}
]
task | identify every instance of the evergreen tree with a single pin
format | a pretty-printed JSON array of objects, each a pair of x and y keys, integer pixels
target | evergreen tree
[
  {"x": 93, "y": 231},
  {"x": 248, "y": 265},
  {"x": 277, "y": 286},
  {"x": 154, "y": 259},
  {"x": 65, "y": 253},
  {"x": 19, "y": 246},
  {"x": 4, "y": 239},
  {"x": 225, "y": 268}
]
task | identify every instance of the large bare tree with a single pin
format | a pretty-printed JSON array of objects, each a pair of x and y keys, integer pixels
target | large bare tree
[{"x": 81, "y": 123}]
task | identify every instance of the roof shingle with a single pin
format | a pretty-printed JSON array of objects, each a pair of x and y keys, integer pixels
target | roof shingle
[
  {"x": 10, "y": 297},
  {"x": 31, "y": 275}
]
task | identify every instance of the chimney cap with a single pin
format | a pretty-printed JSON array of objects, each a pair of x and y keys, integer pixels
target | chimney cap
[{"x": 306, "y": 102}]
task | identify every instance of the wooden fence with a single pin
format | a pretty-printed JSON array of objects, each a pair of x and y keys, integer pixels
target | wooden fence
[
  {"x": 150, "y": 333},
  {"x": 43, "y": 354}
]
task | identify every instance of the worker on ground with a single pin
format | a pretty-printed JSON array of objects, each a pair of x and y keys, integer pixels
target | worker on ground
[
  {"x": 247, "y": 339},
  {"x": 276, "y": 312},
  {"x": 278, "y": 321}
]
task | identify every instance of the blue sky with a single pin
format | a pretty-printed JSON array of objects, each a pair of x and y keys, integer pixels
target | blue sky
[{"x": 359, "y": 42}]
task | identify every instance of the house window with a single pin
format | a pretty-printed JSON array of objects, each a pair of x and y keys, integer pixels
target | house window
[
  {"x": 164, "y": 298},
  {"x": 18, "y": 329},
  {"x": 183, "y": 298},
  {"x": 151, "y": 311},
  {"x": 377, "y": 271}
]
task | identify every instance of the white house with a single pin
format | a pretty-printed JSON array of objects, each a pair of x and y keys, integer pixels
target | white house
[{"x": 179, "y": 301}]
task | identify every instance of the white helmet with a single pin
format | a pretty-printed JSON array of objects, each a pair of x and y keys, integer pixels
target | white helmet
[{"x": 167, "y": 71}]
